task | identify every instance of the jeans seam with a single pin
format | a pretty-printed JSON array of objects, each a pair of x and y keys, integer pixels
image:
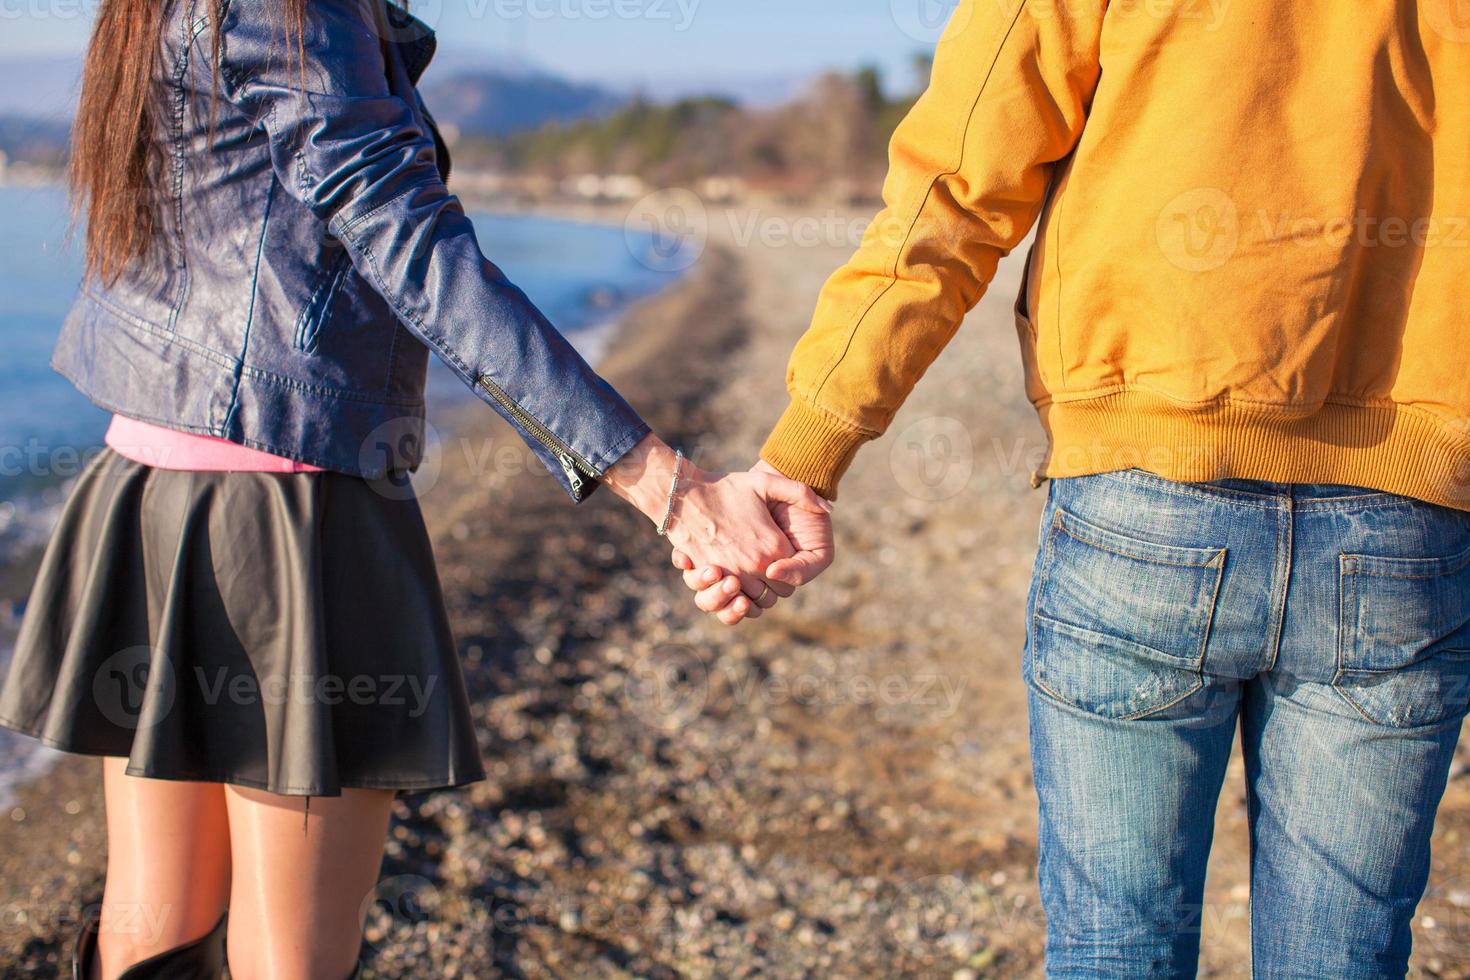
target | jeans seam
[
  {"x": 1048, "y": 551},
  {"x": 1374, "y": 565},
  {"x": 1285, "y": 529},
  {"x": 1347, "y": 632},
  {"x": 1199, "y": 683},
  {"x": 1197, "y": 669},
  {"x": 1204, "y": 641},
  {"x": 1081, "y": 534},
  {"x": 1216, "y": 495}
]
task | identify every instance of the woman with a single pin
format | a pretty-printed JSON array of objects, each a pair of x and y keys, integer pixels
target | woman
[{"x": 239, "y": 609}]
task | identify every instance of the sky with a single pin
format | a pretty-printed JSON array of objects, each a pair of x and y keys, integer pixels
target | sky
[{"x": 674, "y": 44}]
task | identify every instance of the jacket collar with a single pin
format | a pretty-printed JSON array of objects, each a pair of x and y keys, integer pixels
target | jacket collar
[{"x": 414, "y": 40}]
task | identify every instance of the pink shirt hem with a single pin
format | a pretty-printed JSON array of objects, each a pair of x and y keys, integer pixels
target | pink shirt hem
[{"x": 170, "y": 449}]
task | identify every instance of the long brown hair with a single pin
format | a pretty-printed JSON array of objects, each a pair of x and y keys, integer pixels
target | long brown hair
[{"x": 117, "y": 156}]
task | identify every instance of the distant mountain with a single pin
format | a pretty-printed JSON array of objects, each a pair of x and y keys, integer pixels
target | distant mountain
[
  {"x": 39, "y": 141},
  {"x": 752, "y": 90},
  {"x": 497, "y": 101}
]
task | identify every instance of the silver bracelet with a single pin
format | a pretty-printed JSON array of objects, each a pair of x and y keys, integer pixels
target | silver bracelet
[{"x": 663, "y": 527}]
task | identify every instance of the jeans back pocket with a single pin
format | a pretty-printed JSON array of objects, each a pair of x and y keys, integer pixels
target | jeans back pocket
[
  {"x": 1403, "y": 656},
  {"x": 1120, "y": 624}
]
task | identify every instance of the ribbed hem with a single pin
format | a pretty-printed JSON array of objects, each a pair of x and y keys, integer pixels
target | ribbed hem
[
  {"x": 813, "y": 447},
  {"x": 1394, "y": 448}
]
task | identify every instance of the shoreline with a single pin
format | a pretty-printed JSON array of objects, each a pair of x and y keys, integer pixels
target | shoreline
[
  {"x": 32, "y": 505},
  {"x": 52, "y": 836},
  {"x": 840, "y": 789}
]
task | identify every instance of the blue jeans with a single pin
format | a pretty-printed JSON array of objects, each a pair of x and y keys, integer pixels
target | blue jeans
[{"x": 1332, "y": 624}]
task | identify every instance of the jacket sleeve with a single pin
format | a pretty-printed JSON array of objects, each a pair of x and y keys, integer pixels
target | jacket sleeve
[
  {"x": 969, "y": 169},
  {"x": 356, "y": 154}
]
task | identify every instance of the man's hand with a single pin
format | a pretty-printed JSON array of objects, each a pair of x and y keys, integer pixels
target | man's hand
[{"x": 809, "y": 533}]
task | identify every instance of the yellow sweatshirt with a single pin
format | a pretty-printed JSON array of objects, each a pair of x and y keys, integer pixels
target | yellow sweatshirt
[{"x": 1253, "y": 257}]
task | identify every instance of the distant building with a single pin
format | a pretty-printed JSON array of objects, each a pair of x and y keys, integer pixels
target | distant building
[{"x": 604, "y": 187}]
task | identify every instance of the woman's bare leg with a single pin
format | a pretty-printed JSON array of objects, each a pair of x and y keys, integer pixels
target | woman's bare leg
[
  {"x": 300, "y": 885},
  {"x": 168, "y": 865}
]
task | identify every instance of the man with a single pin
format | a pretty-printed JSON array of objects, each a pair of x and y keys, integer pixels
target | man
[{"x": 1243, "y": 328}]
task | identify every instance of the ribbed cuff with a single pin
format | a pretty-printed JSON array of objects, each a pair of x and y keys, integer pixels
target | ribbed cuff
[{"x": 812, "y": 447}]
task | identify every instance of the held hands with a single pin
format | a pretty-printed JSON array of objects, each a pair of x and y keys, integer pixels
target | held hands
[
  {"x": 808, "y": 532},
  {"x": 744, "y": 540}
]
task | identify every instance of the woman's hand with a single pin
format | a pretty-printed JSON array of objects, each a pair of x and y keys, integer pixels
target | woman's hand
[{"x": 722, "y": 520}]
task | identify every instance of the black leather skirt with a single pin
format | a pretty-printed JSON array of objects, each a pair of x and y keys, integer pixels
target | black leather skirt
[{"x": 284, "y": 632}]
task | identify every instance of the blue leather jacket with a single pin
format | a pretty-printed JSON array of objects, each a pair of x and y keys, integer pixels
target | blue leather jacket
[{"x": 312, "y": 256}]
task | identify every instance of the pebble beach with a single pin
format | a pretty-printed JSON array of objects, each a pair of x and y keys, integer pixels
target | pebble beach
[{"x": 841, "y": 789}]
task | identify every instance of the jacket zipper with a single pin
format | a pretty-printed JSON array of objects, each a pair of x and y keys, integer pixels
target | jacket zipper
[{"x": 573, "y": 465}]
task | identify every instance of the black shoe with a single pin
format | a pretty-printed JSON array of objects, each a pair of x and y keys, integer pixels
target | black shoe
[
  {"x": 85, "y": 950},
  {"x": 203, "y": 959}
]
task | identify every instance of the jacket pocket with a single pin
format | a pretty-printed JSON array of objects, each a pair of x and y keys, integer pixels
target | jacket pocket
[
  {"x": 318, "y": 309},
  {"x": 1403, "y": 652},
  {"x": 1120, "y": 624}
]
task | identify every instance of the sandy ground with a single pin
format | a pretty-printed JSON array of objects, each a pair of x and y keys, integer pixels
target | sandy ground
[{"x": 839, "y": 790}]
